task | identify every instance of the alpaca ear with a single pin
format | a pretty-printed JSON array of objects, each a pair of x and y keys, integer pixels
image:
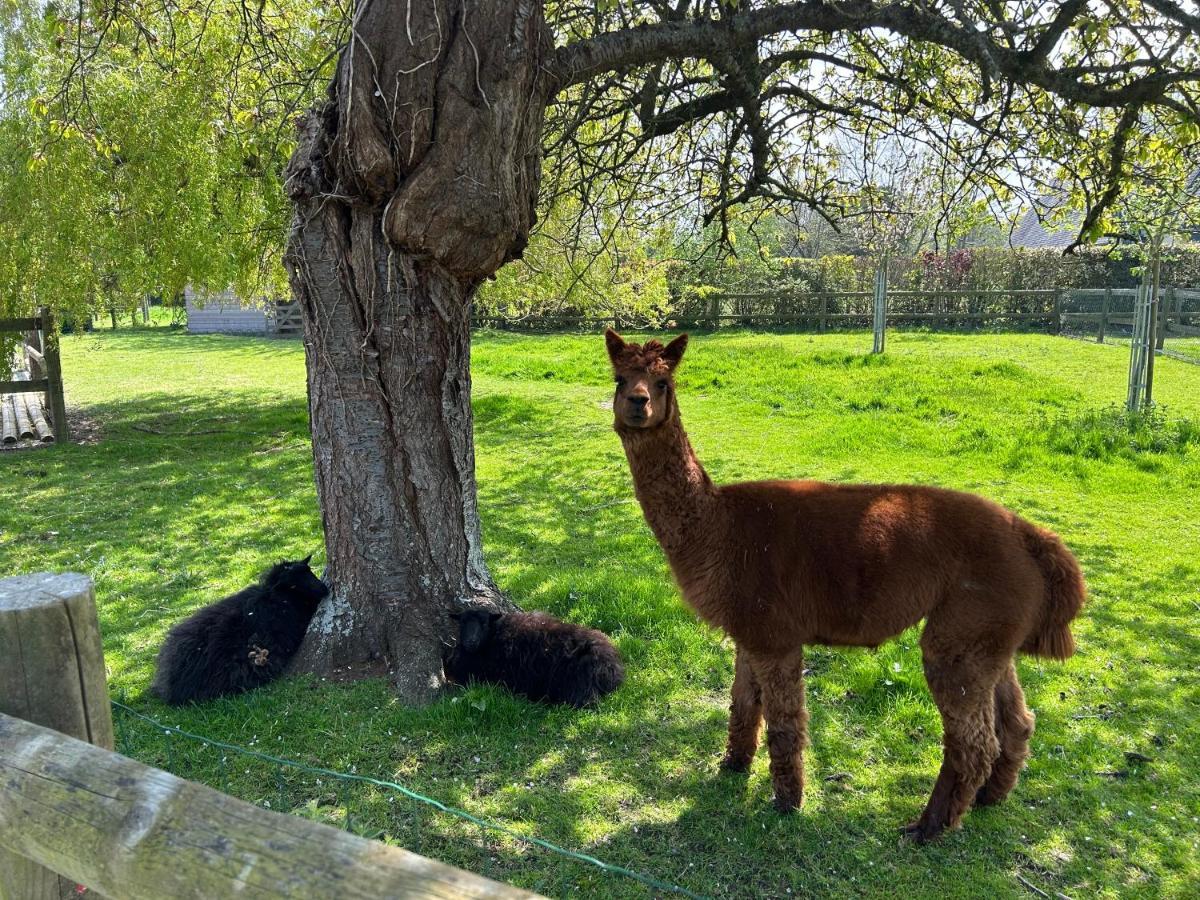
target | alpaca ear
[
  {"x": 307, "y": 559},
  {"x": 673, "y": 352},
  {"x": 614, "y": 342},
  {"x": 456, "y": 616},
  {"x": 493, "y": 616}
]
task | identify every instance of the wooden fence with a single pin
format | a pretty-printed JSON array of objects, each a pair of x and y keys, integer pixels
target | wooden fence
[
  {"x": 73, "y": 812},
  {"x": 828, "y": 310},
  {"x": 1046, "y": 309},
  {"x": 20, "y": 419},
  {"x": 1103, "y": 308}
]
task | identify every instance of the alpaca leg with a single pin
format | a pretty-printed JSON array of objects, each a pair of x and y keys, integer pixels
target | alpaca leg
[
  {"x": 963, "y": 689},
  {"x": 1014, "y": 726},
  {"x": 782, "y": 684},
  {"x": 745, "y": 717}
]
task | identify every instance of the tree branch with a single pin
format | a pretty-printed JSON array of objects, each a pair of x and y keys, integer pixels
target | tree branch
[{"x": 707, "y": 38}]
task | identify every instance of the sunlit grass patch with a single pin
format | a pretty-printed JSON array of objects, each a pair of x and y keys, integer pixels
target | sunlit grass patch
[{"x": 203, "y": 476}]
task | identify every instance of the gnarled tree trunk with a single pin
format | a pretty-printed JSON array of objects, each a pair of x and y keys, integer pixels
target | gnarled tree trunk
[{"x": 415, "y": 182}]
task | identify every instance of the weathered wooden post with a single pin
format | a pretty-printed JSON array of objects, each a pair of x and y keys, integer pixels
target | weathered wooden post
[
  {"x": 1105, "y": 307},
  {"x": 823, "y": 322},
  {"x": 714, "y": 312},
  {"x": 133, "y": 832},
  {"x": 54, "y": 391},
  {"x": 51, "y": 674}
]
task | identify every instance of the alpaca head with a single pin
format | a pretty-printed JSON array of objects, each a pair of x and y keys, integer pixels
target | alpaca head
[
  {"x": 296, "y": 579},
  {"x": 645, "y": 375},
  {"x": 474, "y": 627}
]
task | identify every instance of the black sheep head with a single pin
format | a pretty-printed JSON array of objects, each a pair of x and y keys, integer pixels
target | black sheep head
[
  {"x": 474, "y": 628},
  {"x": 295, "y": 579}
]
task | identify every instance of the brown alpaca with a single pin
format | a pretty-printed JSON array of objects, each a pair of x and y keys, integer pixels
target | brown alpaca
[{"x": 780, "y": 564}]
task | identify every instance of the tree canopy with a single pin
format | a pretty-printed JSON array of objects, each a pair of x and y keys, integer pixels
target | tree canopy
[{"x": 143, "y": 142}]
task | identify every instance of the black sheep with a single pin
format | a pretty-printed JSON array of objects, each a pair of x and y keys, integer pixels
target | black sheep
[
  {"x": 240, "y": 642},
  {"x": 534, "y": 655}
]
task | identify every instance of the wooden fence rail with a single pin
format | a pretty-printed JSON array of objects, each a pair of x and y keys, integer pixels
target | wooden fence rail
[
  {"x": 822, "y": 310},
  {"x": 1047, "y": 308},
  {"x": 127, "y": 830},
  {"x": 41, "y": 346}
]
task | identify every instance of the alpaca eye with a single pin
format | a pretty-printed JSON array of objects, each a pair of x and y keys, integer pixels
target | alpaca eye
[
  {"x": 662, "y": 385},
  {"x": 620, "y": 381}
]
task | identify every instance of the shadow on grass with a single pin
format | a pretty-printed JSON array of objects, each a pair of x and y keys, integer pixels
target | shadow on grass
[
  {"x": 185, "y": 499},
  {"x": 169, "y": 518}
]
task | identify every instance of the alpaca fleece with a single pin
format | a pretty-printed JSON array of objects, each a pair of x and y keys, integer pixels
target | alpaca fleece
[
  {"x": 241, "y": 642},
  {"x": 780, "y": 564},
  {"x": 536, "y": 656}
]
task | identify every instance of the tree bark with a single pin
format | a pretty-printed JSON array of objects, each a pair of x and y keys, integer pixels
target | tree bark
[{"x": 416, "y": 181}]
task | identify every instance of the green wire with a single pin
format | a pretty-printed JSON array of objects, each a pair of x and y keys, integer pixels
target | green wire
[{"x": 647, "y": 880}]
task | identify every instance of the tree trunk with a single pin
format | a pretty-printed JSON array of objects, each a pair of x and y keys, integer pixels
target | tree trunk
[{"x": 415, "y": 182}]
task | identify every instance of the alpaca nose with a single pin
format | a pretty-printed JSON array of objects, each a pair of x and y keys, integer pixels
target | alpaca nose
[{"x": 638, "y": 402}]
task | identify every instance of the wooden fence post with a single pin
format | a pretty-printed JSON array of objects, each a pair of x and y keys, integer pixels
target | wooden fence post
[
  {"x": 51, "y": 674},
  {"x": 1105, "y": 307},
  {"x": 1058, "y": 310},
  {"x": 823, "y": 323},
  {"x": 54, "y": 393}
]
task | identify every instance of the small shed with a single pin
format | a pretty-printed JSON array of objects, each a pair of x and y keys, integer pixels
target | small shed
[{"x": 225, "y": 313}]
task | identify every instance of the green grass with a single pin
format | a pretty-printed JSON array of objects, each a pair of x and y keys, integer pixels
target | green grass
[
  {"x": 1184, "y": 346},
  {"x": 203, "y": 476}
]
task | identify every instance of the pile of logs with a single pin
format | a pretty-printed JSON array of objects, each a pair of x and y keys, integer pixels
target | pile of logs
[
  {"x": 23, "y": 419},
  {"x": 31, "y": 393}
]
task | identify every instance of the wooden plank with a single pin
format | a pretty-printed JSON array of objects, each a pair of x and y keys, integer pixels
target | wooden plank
[
  {"x": 1096, "y": 292},
  {"x": 25, "y": 386},
  {"x": 1022, "y": 292},
  {"x": 895, "y": 315},
  {"x": 51, "y": 673},
  {"x": 54, "y": 390},
  {"x": 21, "y": 324},
  {"x": 132, "y": 831},
  {"x": 37, "y": 362}
]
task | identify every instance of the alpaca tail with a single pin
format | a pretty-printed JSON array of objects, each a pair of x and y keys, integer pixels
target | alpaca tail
[{"x": 1065, "y": 593}]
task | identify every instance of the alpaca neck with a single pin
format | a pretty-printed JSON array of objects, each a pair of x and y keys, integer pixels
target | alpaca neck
[{"x": 676, "y": 494}]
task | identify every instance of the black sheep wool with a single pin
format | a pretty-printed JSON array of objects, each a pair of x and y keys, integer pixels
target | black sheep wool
[
  {"x": 241, "y": 642},
  {"x": 534, "y": 655}
]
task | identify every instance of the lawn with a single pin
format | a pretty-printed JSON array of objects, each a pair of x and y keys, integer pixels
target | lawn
[
  {"x": 202, "y": 476},
  {"x": 1188, "y": 347}
]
